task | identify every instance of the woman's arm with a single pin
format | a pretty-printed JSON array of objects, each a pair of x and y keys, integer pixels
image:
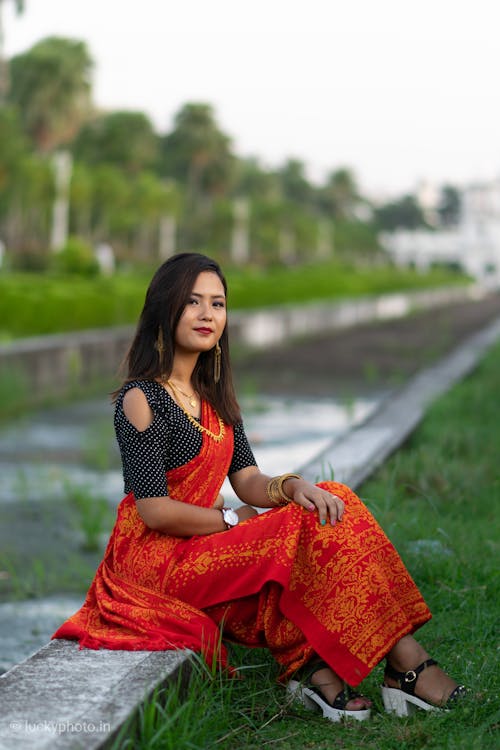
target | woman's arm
[
  {"x": 251, "y": 487},
  {"x": 164, "y": 513},
  {"x": 173, "y": 517}
]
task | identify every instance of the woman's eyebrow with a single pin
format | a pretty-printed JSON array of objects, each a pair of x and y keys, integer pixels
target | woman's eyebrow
[{"x": 213, "y": 296}]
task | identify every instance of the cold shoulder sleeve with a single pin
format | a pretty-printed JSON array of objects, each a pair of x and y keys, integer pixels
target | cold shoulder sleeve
[
  {"x": 144, "y": 452},
  {"x": 242, "y": 453}
]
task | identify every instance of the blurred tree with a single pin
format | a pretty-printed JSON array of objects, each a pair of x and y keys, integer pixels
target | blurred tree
[
  {"x": 198, "y": 153},
  {"x": 25, "y": 192},
  {"x": 357, "y": 242},
  {"x": 27, "y": 221},
  {"x": 294, "y": 183},
  {"x": 450, "y": 205},
  {"x": 12, "y": 147},
  {"x": 403, "y": 213},
  {"x": 4, "y": 66},
  {"x": 125, "y": 139},
  {"x": 111, "y": 202},
  {"x": 50, "y": 84},
  {"x": 340, "y": 196},
  {"x": 152, "y": 199},
  {"x": 81, "y": 200},
  {"x": 253, "y": 181},
  {"x": 266, "y": 222}
]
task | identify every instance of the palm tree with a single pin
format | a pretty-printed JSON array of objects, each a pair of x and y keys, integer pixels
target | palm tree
[
  {"x": 4, "y": 68},
  {"x": 51, "y": 89},
  {"x": 340, "y": 195}
]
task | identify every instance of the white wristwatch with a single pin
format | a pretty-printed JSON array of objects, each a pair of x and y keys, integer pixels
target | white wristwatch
[{"x": 230, "y": 517}]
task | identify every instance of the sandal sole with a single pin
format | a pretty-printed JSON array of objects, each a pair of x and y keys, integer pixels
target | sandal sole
[{"x": 313, "y": 702}]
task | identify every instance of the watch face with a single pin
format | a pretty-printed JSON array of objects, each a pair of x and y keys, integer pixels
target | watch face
[{"x": 231, "y": 517}]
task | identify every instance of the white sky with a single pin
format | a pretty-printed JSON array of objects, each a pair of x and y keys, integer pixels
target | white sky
[{"x": 399, "y": 90}]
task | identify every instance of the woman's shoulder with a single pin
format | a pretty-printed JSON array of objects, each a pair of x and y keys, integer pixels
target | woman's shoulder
[
  {"x": 148, "y": 387},
  {"x": 142, "y": 406},
  {"x": 153, "y": 393}
]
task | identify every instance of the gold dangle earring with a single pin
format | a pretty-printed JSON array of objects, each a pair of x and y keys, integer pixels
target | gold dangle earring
[{"x": 217, "y": 359}]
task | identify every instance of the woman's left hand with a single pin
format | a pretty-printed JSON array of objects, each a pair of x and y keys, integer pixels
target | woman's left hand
[{"x": 329, "y": 506}]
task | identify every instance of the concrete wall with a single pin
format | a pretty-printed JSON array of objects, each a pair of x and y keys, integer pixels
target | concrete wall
[{"x": 54, "y": 366}]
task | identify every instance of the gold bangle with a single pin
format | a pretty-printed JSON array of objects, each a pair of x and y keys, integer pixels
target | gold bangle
[
  {"x": 275, "y": 491},
  {"x": 272, "y": 492},
  {"x": 282, "y": 480}
]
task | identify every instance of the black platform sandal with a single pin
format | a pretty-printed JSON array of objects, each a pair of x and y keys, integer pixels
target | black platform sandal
[
  {"x": 403, "y": 702},
  {"x": 311, "y": 697}
]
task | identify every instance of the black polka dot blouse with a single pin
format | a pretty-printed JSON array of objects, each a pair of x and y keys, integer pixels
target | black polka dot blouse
[{"x": 169, "y": 441}]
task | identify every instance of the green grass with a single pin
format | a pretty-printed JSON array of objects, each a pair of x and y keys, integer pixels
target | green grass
[
  {"x": 438, "y": 500},
  {"x": 78, "y": 529},
  {"x": 36, "y": 304}
]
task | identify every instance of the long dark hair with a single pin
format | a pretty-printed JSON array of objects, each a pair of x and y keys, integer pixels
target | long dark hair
[{"x": 166, "y": 298}]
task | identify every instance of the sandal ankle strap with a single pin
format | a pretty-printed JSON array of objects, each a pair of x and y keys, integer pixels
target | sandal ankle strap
[
  {"x": 408, "y": 680},
  {"x": 310, "y": 667},
  {"x": 305, "y": 673}
]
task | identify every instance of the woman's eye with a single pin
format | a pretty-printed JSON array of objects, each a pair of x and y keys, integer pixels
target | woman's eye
[{"x": 219, "y": 304}]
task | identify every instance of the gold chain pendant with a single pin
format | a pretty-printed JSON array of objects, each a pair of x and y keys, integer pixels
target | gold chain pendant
[
  {"x": 191, "y": 399},
  {"x": 194, "y": 422}
]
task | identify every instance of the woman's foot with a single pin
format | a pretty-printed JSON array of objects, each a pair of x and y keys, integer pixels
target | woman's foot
[
  {"x": 434, "y": 685},
  {"x": 319, "y": 687},
  {"x": 330, "y": 685},
  {"x": 413, "y": 680}
]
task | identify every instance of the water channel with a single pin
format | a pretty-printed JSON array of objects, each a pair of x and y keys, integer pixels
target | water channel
[{"x": 43, "y": 452}]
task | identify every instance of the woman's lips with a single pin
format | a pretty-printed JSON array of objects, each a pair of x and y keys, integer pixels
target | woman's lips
[{"x": 205, "y": 331}]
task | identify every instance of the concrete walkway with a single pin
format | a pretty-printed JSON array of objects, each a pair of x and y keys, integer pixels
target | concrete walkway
[{"x": 66, "y": 698}]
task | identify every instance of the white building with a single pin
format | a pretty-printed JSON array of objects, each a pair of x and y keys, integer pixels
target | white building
[{"x": 474, "y": 244}]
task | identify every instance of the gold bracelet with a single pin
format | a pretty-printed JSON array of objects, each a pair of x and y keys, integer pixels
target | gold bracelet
[
  {"x": 272, "y": 492},
  {"x": 275, "y": 491},
  {"x": 282, "y": 480}
]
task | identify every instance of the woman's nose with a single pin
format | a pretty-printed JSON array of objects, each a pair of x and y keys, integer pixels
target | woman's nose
[{"x": 206, "y": 312}]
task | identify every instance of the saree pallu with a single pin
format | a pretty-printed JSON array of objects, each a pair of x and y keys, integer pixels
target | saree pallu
[{"x": 278, "y": 580}]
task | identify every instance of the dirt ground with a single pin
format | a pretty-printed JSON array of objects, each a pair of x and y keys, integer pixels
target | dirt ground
[{"x": 364, "y": 359}]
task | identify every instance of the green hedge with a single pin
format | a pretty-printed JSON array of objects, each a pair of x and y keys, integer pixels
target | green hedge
[{"x": 33, "y": 304}]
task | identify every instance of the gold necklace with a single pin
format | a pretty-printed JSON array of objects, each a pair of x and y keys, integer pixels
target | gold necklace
[
  {"x": 197, "y": 424},
  {"x": 191, "y": 398}
]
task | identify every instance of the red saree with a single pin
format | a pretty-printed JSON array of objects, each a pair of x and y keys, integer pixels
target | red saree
[{"x": 278, "y": 580}]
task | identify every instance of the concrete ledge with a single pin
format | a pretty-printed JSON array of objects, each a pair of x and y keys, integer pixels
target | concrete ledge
[
  {"x": 273, "y": 325},
  {"x": 53, "y": 366},
  {"x": 63, "y": 697}
]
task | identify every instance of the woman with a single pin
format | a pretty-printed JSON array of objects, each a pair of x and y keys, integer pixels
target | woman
[{"x": 314, "y": 579}]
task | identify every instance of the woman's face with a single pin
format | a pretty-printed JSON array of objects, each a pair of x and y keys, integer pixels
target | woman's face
[{"x": 204, "y": 317}]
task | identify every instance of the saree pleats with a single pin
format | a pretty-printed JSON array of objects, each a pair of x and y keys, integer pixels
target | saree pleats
[{"x": 279, "y": 580}]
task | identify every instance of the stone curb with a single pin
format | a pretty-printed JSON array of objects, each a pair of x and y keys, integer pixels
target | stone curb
[{"x": 64, "y": 697}]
